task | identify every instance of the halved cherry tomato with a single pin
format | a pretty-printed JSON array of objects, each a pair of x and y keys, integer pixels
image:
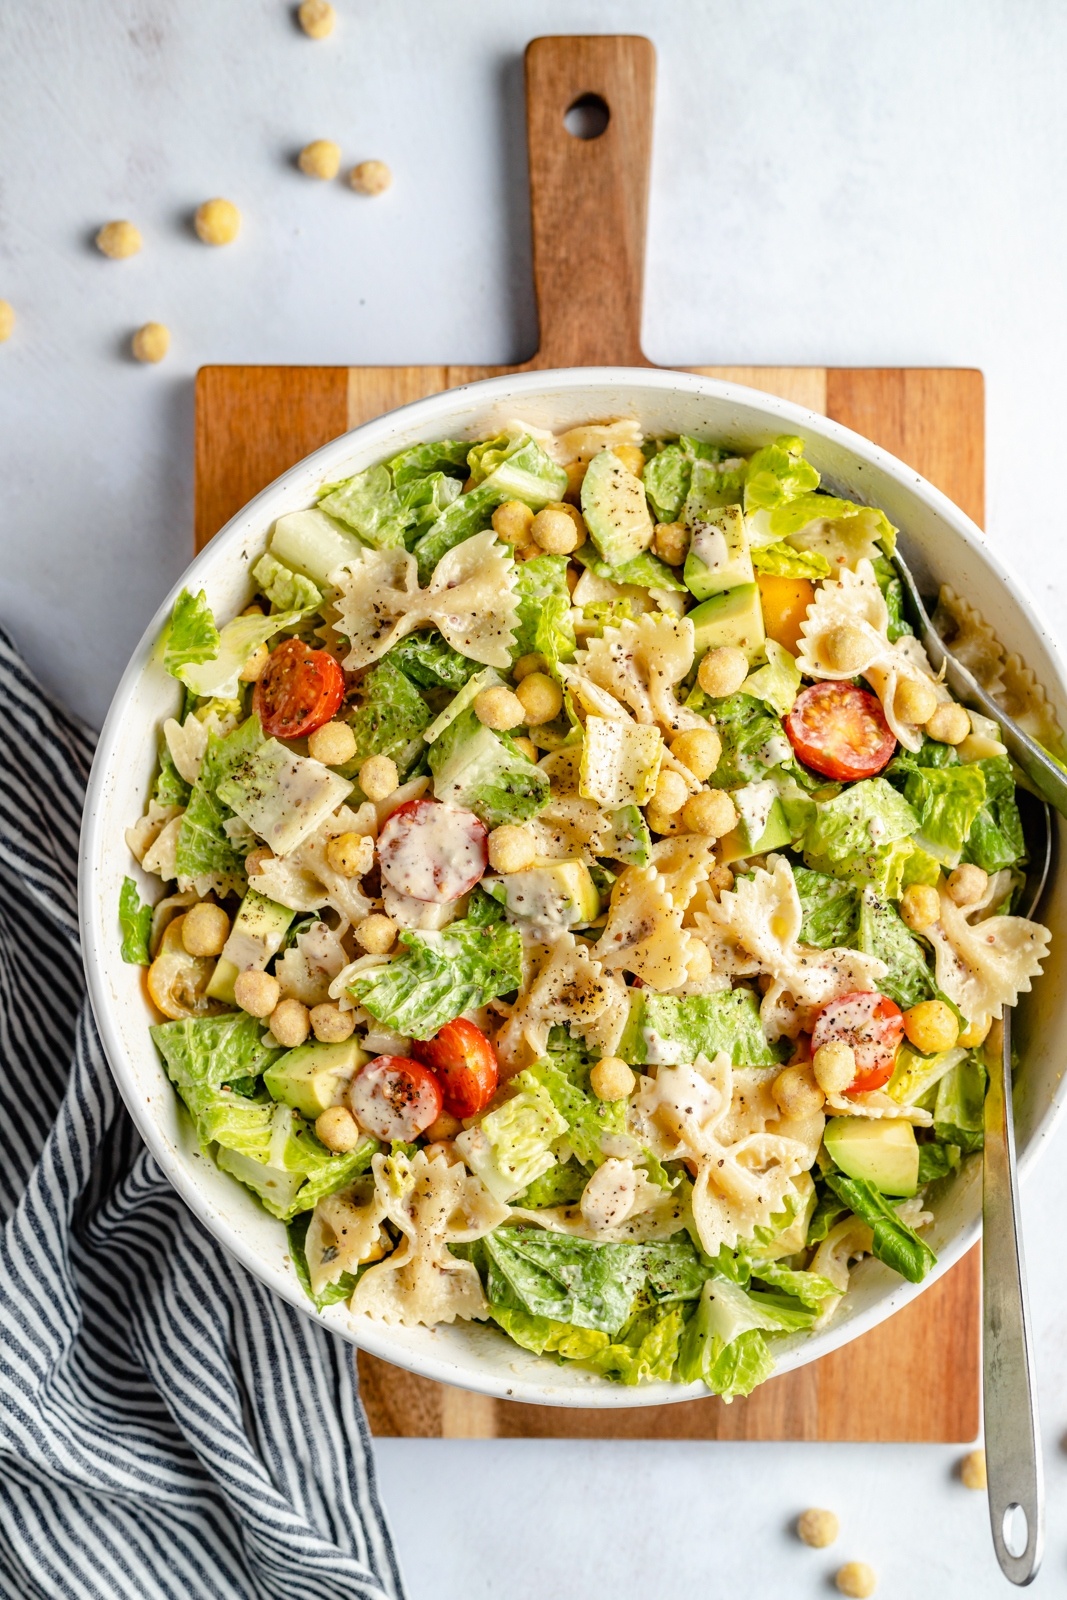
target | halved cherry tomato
[
  {"x": 300, "y": 689},
  {"x": 873, "y": 1025},
  {"x": 465, "y": 1065},
  {"x": 840, "y": 731},
  {"x": 433, "y": 851},
  {"x": 395, "y": 1098}
]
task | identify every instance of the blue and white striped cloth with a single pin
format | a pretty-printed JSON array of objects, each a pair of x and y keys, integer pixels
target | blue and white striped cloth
[{"x": 168, "y": 1428}]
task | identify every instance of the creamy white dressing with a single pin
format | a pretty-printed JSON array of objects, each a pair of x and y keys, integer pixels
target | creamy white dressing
[
  {"x": 754, "y": 804},
  {"x": 709, "y": 545}
]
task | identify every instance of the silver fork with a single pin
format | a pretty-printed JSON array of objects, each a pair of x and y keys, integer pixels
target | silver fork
[{"x": 1009, "y": 1392}]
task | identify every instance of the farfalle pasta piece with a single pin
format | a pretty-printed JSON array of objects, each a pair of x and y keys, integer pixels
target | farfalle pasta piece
[
  {"x": 470, "y": 598},
  {"x": 636, "y": 1210},
  {"x": 433, "y": 1205},
  {"x": 311, "y": 963},
  {"x": 640, "y": 663},
  {"x": 728, "y": 1123},
  {"x": 345, "y": 1230},
  {"x": 1023, "y": 698},
  {"x": 970, "y": 638},
  {"x": 875, "y": 1104},
  {"x": 984, "y": 966},
  {"x": 643, "y": 933},
  {"x": 303, "y": 880},
  {"x": 855, "y": 601},
  {"x": 684, "y": 862},
  {"x": 763, "y": 914},
  {"x": 604, "y": 1032},
  {"x": 566, "y": 987},
  {"x": 846, "y": 1242}
]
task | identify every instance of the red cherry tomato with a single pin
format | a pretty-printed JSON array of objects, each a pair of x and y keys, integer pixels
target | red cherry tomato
[
  {"x": 299, "y": 691},
  {"x": 873, "y": 1025},
  {"x": 395, "y": 1098},
  {"x": 465, "y": 1065},
  {"x": 840, "y": 731},
  {"x": 433, "y": 851}
]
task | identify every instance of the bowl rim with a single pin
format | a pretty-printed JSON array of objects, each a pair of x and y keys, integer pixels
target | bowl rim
[{"x": 373, "y": 436}]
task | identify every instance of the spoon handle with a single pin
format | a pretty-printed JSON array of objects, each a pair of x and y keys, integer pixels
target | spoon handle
[{"x": 1013, "y": 1460}]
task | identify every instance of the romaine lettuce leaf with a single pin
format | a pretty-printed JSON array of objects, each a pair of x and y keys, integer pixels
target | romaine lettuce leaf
[
  {"x": 782, "y": 561},
  {"x": 996, "y": 836},
  {"x": 204, "y": 847},
  {"x": 512, "y": 1146},
  {"x": 752, "y": 740},
  {"x": 862, "y": 820},
  {"x": 666, "y": 1028},
  {"x": 430, "y": 662},
  {"x": 389, "y": 719},
  {"x": 777, "y": 683},
  {"x": 135, "y": 920},
  {"x": 959, "y": 1110},
  {"x": 281, "y": 796},
  {"x": 778, "y": 473},
  {"x": 341, "y": 1289},
  {"x": 937, "y": 1160},
  {"x": 645, "y": 570},
  {"x": 424, "y": 460},
  {"x": 191, "y": 635},
  {"x": 830, "y": 908},
  {"x": 561, "y": 1185},
  {"x": 440, "y": 975},
  {"x": 884, "y": 934},
  {"x": 947, "y": 801},
  {"x": 170, "y": 788},
  {"x": 370, "y": 505},
  {"x": 668, "y": 474},
  {"x": 486, "y": 772},
  {"x": 646, "y": 1349},
  {"x": 791, "y": 518},
  {"x": 587, "y": 1118},
  {"x": 205, "y": 1057},
  {"x": 284, "y": 588},
  {"x": 507, "y": 468},
  {"x": 629, "y": 839},
  {"x": 894, "y": 1242},
  {"x": 541, "y": 1334},
  {"x": 810, "y": 1288},
  {"x": 724, "y": 1341},
  {"x": 544, "y": 621},
  {"x": 426, "y": 499},
  {"x": 915, "y": 1076}
]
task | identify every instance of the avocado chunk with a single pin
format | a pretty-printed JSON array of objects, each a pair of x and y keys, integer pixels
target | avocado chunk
[
  {"x": 314, "y": 1076},
  {"x": 733, "y": 618},
  {"x": 718, "y": 558},
  {"x": 257, "y": 934},
  {"x": 558, "y": 892},
  {"x": 884, "y": 1152},
  {"x": 762, "y": 823},
  {"x": 615, "y": 509}
]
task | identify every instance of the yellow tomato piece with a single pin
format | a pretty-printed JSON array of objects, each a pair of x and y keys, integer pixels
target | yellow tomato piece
[
  {"x": 785, "y": 604},
  {"x": 177, "y": 981}
]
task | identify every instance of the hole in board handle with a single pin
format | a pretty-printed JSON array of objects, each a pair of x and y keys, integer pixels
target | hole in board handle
[
  {"x": 1015, "y": 1530},
  {"x": 587, "y": 117}
]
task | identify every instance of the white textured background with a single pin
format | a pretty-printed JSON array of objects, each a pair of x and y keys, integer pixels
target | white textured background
[{"x": 834, "y": 181}]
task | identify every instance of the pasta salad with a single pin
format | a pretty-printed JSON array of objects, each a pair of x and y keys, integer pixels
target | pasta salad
[{"x": 579, "y": 905}]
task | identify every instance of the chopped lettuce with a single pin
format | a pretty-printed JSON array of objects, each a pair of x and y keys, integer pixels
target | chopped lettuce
[
  {"x": 893, "y": 595},
  {"x": 438, "y": 976},
  {"x": 541, "y": 1334},
  {"x": 996, "y": 836},
  {"x": 859, "y": 822},
  {"x": 947, "y": 801},
  {"x": 561, "y": 1185},
  {"x": 486, "y": 772},
  {"x": 914, "y": 1075},
  {"x": 670, "y": 1029},
  {"x": 810, "y": 1288},
  {"x": 884, "y": 934},
  {"x": 206, "y": 1057},
  {"x": 644, "y": 570},
  {"x": 937, "y": 1160},
  {"x": 209, "y": 662},
  {"x": 505, "y": 468},
  {"x": 777, "y": 474},
  {"x": 544, "y": 621},
  {"x": 646, "y": 1349},
  {"x": 135, "y": 920},
  {"x": 369, "y": 504},
  {"x": 427, "y": 460},
  {"x": 668, "y": 475},
  {"x": 389, "y": 719},
  {"x": 725, "y": 1344},
  {"x": 855, "y": 526},
  {"x": 313, "y": 544},
  {"x": 284, "y": 588},
  {"x": 894, "y": 1242},
  {"x": 430, "y": 662},
  {"x": 205, "y": 849},
  {"x": 830, "y": 909},
  {"x": 782, "y": 561},
  {"x": 959, "y": 1109},
  {"x": 512, "y": 1146},
  {"x": 752, "y": 740},
  {"x": 587, "y": 1118},
  {"x": 170, "y": 788},
  {"x": 778, "y": 683},
  {"x": 629, "y": 839}
]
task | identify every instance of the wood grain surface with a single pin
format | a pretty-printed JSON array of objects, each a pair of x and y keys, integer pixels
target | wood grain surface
[{"x": 915, "y": 1378}]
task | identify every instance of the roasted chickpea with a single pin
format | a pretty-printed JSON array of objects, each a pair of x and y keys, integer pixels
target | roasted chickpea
[
  {"x": 967, "y": 884},
  {"x": 333, "y": 744},
  {"x": 920, "y": 906},
  {"x": 350, "y": 854},
  {"x": 256, "y": 992},
  {"x": 499, "y": 708},
  {"x": 670, "y": 542},
  {"x": 205, "y": 929},
  {"x": 541, "y": 697},
  {"x": 671, "y": 794},
  {"x": 320, "y": 159},
  {"x": 949, "y": 724},
  {"x": 378, "y": 777},
  {"x": 931, "y": 1026},
  {"x": 338, "y": 1129},
  {"x": 710, "y": 812},
  {"x": 699, "y": 749},
  {"x": 797, "y": 1093},
  {"x": 612, "y": 1079},
  {"x": 555, "y": 531},
  {"x": 512, "y": 522},
  {"x": 376, "y": 934},
  {"x": 722, "y": 672},
  {"x": 330, "y": 1024},
  {"x": 845, "y": 648},
  {"x": 915, "y": 701},
  {"x": 834, "y": 1065},
  {"x": 511, "y": 848},
  {"x": 290, "y": 1023}
]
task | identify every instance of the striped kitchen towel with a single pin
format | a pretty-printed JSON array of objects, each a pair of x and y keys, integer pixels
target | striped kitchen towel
[{"x": 167, "y": 1426}]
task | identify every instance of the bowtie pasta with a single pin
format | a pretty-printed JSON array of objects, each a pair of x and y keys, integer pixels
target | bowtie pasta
[{"x": 578, "y": 905}]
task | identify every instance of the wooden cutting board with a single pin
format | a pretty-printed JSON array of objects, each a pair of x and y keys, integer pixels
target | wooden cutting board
[{"x": 916, "y": 1377}]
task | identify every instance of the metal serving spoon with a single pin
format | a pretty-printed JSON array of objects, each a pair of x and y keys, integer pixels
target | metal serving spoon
[{"x": 1009, "y": 1392}]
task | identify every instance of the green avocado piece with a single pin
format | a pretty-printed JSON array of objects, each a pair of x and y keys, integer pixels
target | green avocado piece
[
  {"x": 882, "y": 1151},
  {"x": 257, "y": 933},
  {"x": 733, "y": 618},
  {"x": 615, "y": 509},
  {"x": 560, "y": 892},
  {"x": 762, "y": 824},
  {"x": 718, "y": 558},
  {"x": 314, "y": 1076}
]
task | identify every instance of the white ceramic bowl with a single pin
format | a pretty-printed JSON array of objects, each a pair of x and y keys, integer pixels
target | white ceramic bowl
[{"x": 936, "y": 535}]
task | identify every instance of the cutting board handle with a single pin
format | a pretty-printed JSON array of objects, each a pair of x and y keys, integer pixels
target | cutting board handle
[{"x": 589, "y": 197}]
